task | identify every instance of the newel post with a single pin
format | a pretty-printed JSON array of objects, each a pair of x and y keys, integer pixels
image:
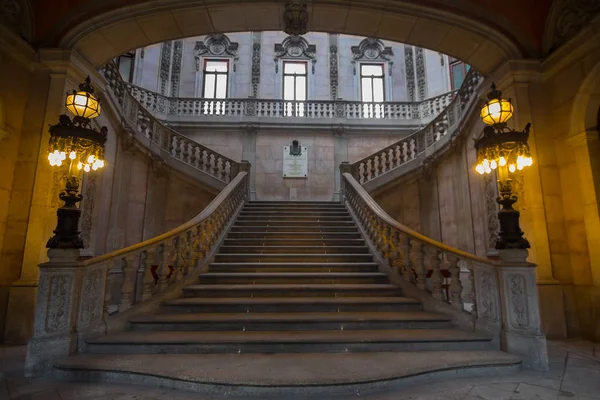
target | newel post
[
  {"x": 245, "y": 166},
  {"x": 54, "y": 333},
  {"x": 345, "y": 167},
  {"x": 522, "y": 332}
]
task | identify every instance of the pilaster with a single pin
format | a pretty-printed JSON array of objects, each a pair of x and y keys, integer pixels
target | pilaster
[
  {"x": 249, "y": 154},
  {"x": 340, "y": 155}
]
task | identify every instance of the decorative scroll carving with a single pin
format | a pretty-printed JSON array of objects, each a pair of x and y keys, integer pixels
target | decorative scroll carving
[
  {"x": 89, "y": 204},
  {"x": 255, "y": 64},
  {"x": 91, "y": 305},
  {"x": 217, "y": 45},
  {"x": 338, "y": 130},
  {"x": 176, "y": 68},
  {"x": 251, "y": 129},
  {"x": 487, "y": 307},
  {"x": 165, "y": 66},
  {"x": 56, "y": 316},
  {"x": 491, "y": 210},
  {"x": 333, "y": 71},
  {"x": 421, "y": 74},
  {"x": 16, "y": 15},
  {"x": 295, "y": 17},
  {"x": 295, "y": 47},
  {"x": 520, "y": 314},
  {"x": 372, "y": 49},
  {"x": 566, "y": 18},
  {"x": 410, "y": 72}
]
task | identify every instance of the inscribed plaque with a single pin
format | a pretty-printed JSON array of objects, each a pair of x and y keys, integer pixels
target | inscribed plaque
[{"x": 295, "y": 166}]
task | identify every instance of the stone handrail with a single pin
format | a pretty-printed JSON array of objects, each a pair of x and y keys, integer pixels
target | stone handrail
[
  {"x": 163, "y": 107},
  {"x": 79, "y": 298},
  {"x": 418, "y": 260},
  {"x": 412, "y": 146},
  {"x": 137, "y": 118}
]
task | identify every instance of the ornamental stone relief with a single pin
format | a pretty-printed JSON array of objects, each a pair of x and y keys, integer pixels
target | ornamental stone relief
[
  {"x": 295, "y": 47},
  {"x": 295, "y": 17},
  {"x": 165, "y": 66},
  {"x": 256, "y": 45},
  {"x": 217, "y": 45},
  {"x": 567, "y": 17},
  {"x": 57, "y": 313},
  {"x": 333, "y": 71},
  {"x": 421, "y": 75},
  {"x": 410, "y": 72},
  {"x": 518, "y": 307},
  {"x": 176, "y": 67},
  {"x": 89, "y": 204},
  {"x": 491, "y": 209},
  {"x": 372, "y": 49},
  {"x": 487, "y": 305},
  {"x": 91, "y": 303}
]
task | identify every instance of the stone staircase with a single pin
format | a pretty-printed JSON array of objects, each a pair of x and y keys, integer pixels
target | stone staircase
[{"x": 291, "y": 277}]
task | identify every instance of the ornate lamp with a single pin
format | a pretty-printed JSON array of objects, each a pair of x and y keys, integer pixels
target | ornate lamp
[
  {"x": 77, "y": 143},
  {"x": 507, "y": 151}
]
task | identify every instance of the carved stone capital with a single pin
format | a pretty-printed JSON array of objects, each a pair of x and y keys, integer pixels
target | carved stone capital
[
  {"x": 250, "y": 129},
  {"x": 338, "y": 130}
]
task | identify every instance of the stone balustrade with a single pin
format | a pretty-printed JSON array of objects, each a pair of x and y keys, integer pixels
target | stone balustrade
[
  {"x": 164, "y": 107},
  {"x": 444, "y": 125},
  {"x": 78, "y": 298},
  {"x": 499, "y": 297},
  {"x": 135, "y": 117}
]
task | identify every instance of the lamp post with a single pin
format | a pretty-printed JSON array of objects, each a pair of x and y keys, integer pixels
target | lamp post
[
  {"x": 507, "y": 151},
  {"x": 76, "y": 142}
]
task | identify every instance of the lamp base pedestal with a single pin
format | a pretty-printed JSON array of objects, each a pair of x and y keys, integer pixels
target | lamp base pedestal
[{"x": 66, "y": 234}]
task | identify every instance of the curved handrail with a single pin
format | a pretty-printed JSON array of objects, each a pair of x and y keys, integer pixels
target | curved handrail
[
  {"x": 181, "y": 229},
  {"x": 385, "y": 217},
  {"x": 136, "y": 118},
  {"x": 164, "y": 106},
  {"x": 412, "y": 146}
]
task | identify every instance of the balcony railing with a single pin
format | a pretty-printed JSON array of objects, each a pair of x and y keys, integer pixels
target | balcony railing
[{"x": 164, "y": 107}]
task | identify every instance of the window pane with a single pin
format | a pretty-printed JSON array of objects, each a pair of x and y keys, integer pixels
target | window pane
[
  {"x": 368, "y": 70},
  {"x": 458, "y": 75},
  {"x": 219, "y": 66},
  {"x": 288, "y": 88},
  {"x": 378, "y": 89},
  {"x": 294, "y": 68},
  {"x": 209, "y": 86},
  {"x": 300, "y": 88},
  {"x": 221, "y": 86},
  {"x": 125, "y": 68},
  {"x": 468, "y": 67},
  {"x": 367, "y": 95}
]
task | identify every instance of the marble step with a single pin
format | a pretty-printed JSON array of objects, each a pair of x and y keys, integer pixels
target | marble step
[
  {"x": 240, "y": 278},
  {"x": 293, "y": 290},
  {"x": 295, "y": 222},
  {"x": 293, "y": 249},
  {"x": 293, "y": 267},
  {"x": 290, "y": 257},
  {"x": 292, "y": 242},
  {"x": 293, "y": 230}
]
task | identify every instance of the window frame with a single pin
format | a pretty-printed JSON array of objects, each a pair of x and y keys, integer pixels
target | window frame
[
  {"x": 383, "y": 81},
  {"x": 216, "y": 74},
  {"x": 452, "y": 62},
  {"x": 130, "y": 55},
  {"x": 295, "y": 75}
]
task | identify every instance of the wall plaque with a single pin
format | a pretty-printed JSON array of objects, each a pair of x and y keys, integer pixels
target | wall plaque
[{"x": 295, "y": 161}]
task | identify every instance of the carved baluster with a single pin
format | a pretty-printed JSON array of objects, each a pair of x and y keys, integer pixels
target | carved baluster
[
  {"x": 128, "y": 286},
  {"x": 213, "y": 165},
  {"x": 388, "y": 247},
  {"x": 222, "y": 170},
  {"x": 148, "y": 282},
  {"x": 193, "y": 155},
  {"x": 205, "y": 161},
  {"x": 418, "y": 266},
  {"x": 455, "y": 284},
  {"x": 163, "y": 271},
  {"x": 395, "y": 254},
  {"x": 436, "y": 279},
  {"x": 472, "y": 287},
  {"x": 382, "y": 163},
  {"x": 405, "y": 266},
  {"x": 390, "y": 160},
  {"x": 176, "y": 264},
  {"x": 228, "y": 171}
]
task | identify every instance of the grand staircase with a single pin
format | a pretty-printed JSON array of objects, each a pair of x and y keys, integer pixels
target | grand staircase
[{"x": 289, "y": 278}]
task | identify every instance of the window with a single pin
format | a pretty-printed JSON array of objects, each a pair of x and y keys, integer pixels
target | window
[
  {"x": 126, "y": 64},
  {"x": 294, "y": 88},
  {"x": 214, "y": 86},
  {"x": 372, "y": 89},
  {"x": 458, "y": 71}
]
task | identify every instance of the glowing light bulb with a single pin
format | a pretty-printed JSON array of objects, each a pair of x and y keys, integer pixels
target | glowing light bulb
[
  {"x": 94, "y": 167},
  {"x": 79, "y": 165},
  {"x": 512, "y": 168},
  {"x": 493, "y": 164},
  {"x": 72, "y": 155},
  {"x": 62, "y": 155},
  {"x": 91, "y": 159},
  {"x": 86, "y": 168},
  {"x": 101, "y": 163},
  {"x": 502, "y": 161},
  {"x": 479, "y": 168},
  {"x": 486, "y": 163}
]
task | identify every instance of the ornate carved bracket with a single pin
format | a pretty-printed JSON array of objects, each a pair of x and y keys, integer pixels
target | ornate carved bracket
[
  {"x": 217, "y": 45},
  {"x": 295, "y": 17},
  {"x": 295, "y": 47},
  {"x": 256, "y": 45},
  {"x": 372, "y": 49}
]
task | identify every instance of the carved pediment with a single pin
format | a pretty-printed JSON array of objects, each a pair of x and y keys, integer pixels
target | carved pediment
[
  {"x": 372, "y": 49},
  {"x": 295, "y": 47},
  {"x": 217, "y": 45}
]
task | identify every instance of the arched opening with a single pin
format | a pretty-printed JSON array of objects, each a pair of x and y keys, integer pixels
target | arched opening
[{"x": 479, "y": 44}]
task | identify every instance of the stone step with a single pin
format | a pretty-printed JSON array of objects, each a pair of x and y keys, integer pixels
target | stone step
[
  {"x": 294, "y": 267},
  {"x": 294, "y": 203},
  {"x": 272, "y": 233},
  {"x": 293, "y": 249},
  {"x": 290, "y": 217},
  {"x": 295, "y": 213},
  {"x": 318, "y": 209},
  {"x": 333, "y": 341},
  {"x": 240, "y": 278},
  {"x": 295, "y": 229},
  {"x": 241, "y": 257},
  {"x": 293, "y": 290},
  {"x": 291, "y": 304},
  {"x": 292, "y": 242},
  {"x": 295, "y": 223},
  {"x": 290, "y": 321}
]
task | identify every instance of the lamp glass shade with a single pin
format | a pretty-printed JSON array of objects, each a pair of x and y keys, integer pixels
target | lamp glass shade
[
  {"x": 496, "y": 111},
  {"x": 83, "y": 104}
]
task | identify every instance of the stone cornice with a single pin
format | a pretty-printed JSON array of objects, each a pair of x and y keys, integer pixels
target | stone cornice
[{"x": 72, "y": 64}]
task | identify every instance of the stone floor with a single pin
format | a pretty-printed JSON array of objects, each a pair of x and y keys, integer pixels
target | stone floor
[{"x": 574, "y": 374}]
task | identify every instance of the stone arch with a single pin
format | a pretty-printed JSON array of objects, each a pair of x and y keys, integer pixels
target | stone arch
[
  {"x": 482, "y": 45},
  {"x": 585, "y": 114}
]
